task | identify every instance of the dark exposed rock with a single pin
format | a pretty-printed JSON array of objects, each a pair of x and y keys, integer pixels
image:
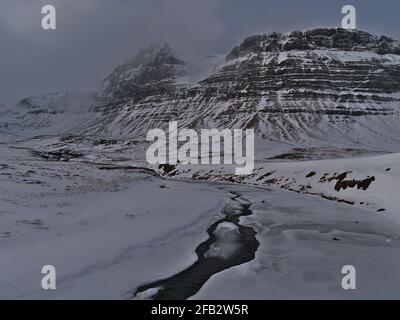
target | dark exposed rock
[
  {"x": 311, "y": 174},
  {"x": 348, "y": 40},
  {"x": 59, "y": 155}
]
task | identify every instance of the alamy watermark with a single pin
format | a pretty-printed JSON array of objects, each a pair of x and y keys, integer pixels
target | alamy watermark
[
  {"x": 349, "y": 280},
  {"x": 186, "y": 147},
  {"x": 49, "y": 18},
  {"x": 349, "y": 20},
  {"x": 49, "y": 279}
]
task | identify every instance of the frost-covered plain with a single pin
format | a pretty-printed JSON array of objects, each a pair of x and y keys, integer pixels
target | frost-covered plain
[
  {"x": 304, "y": 243},
  {"x": 369, "y": 181},
  {"x": 105, "y": 231},
  {"x": 109, "y": 230}
]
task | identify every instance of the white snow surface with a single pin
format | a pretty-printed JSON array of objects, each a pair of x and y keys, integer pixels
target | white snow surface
[
  {"x": 304, "y": 243},
  {"x": 227, "y": 243},
  {"x": 106, "y": 232},
  {"x": 317, "y": 178},
  {"x": 109, "y": 231}
]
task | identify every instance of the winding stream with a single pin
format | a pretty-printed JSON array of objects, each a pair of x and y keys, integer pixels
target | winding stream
[{"x": 188, "y": 282}]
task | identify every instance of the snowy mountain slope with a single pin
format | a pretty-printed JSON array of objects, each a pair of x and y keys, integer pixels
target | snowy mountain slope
[
  {"x": 51, "y": 113},
  {"x": 319, "y": 87},
  {"x": 368, "y": 182},
  {"x": 333, "y": 86},
  {"x": 154, "y": 70},
  {"x": 151, "y": 71}
]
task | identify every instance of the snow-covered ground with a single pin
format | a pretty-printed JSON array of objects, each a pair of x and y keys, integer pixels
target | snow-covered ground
[
  {"x": 304, "y": 243},
  {"x": 109, "y": 230},
  {"x": 368, "y": 181},
  {"x": 105, "y": 231}
]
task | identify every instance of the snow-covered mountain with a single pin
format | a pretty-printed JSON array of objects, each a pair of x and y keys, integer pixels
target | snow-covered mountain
[
  {"x": 50, "y": 113},
  {"x": 319, "y": 101},
  {"x": 329, "y": 86},
  {"x": 152, "y": 71}
]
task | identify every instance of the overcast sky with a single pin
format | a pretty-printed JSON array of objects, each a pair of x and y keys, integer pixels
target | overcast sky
[{"x": 93, "y": 36}]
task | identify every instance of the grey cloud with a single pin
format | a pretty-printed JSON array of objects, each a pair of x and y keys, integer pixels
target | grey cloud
[{"x": 93, "y": 36}]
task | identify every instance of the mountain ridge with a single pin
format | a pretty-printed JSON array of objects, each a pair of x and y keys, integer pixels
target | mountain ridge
[{"x": 318, "y": 86}]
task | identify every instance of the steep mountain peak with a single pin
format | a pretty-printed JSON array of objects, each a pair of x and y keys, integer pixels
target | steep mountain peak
[
  {"x": 321, "y": 38},
  {"x": 153, "y": 68}
]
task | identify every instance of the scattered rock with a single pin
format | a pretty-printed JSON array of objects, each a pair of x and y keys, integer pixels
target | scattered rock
[
  {"x": 312, "y": 173},
  {"x": 360, "y": 184}
]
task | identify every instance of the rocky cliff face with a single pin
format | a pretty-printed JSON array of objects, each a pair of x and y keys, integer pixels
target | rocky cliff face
[{"x": 324, "y": 86}]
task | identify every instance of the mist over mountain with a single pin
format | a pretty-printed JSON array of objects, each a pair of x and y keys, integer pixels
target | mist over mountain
[{"x": 154, "y": 67}]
